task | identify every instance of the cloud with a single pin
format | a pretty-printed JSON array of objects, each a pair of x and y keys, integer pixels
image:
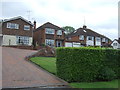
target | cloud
[{"x": 100, "y": 15}]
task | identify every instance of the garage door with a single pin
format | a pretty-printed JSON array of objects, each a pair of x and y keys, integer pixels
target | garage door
[
  {"x": 76, "y": 44},
  {"x": 68, "y": 44}
]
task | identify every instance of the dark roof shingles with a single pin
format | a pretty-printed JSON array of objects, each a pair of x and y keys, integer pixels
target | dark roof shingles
[
  {"x": 49, "y": 25},
  {"x": 87, "y": 32}
]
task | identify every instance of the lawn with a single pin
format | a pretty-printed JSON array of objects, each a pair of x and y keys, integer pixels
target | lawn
[
  {"x": 49, "y": 64},
  {"x": 109, "y": 84}
]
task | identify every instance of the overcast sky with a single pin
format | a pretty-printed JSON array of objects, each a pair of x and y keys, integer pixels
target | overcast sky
[{"x": 100, "y": 15}]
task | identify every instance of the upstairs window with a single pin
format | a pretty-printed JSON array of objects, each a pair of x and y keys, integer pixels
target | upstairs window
[
  {"x": 59, "y": 32},
  {"x": 81, "y": 37},
  {"x": 114, "y": 44},
  {"x": 26, "y": 27},
  {"x": 98, "y": 39},
  {"x": 106, "y": 40},
  {"x": 90, "y": 38},
  {"x": 103, "y": 39},
  {"x": 12, "y": 26},
  {"x": 49, "y": 31}
]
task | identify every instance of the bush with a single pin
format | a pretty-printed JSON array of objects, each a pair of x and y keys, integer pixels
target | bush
[
  {"x": 106, "y": 74},
  {"x": 83, "y": 64}
]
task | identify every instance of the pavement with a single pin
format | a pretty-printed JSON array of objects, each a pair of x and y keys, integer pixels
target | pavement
[{"x": 19, "y": 73}]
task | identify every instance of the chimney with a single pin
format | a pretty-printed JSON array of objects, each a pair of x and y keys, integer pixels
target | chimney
[
  {"x": 34, "y": 24},
  {"x": 84, "y": 26}
]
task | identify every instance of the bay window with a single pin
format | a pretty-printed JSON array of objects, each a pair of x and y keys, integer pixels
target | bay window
[{"x": 49, "y": 42}]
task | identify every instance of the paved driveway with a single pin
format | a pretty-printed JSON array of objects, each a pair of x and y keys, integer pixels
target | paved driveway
[{"x": 19, "y": 73}]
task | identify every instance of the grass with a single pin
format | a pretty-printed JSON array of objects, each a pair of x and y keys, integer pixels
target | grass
[
  {"x": 105, "y": 84},
  {"x": 49, "y": 64}
]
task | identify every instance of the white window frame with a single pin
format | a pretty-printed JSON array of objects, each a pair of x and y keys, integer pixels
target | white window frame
[
  {"x": 81, "y": 37},
  {"x": 49, "y": 31},
  {"x": 59, "y": 32},
  {"x": 16, "y": 26},
  {"x": 98, "y": 39},
  {"x": 88, "y": 38},
  {"x": 49, "y": 42},
  {"x": 115, "y": 44},
  {"x": 103, "y": 39},
  {"x": 106, "y": 40},
  {"x": 24, "y": 40},
  {"x": 26, "y": 27}
]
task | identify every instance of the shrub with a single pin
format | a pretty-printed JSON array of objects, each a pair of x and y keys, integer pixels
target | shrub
[
  {"x": 83, "y": 64},
  {"x": 106, "y": 74},
  {"x": 78, "y": 64}
]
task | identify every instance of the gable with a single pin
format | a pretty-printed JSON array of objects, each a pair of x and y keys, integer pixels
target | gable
[{"x": 20, "y": 19}]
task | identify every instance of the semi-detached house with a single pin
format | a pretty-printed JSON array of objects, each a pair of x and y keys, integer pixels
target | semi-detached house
[
  {"x": 86, "y": 37},
  {"x": 16, "y": 31}
]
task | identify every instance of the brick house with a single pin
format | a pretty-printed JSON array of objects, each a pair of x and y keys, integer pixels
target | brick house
[
  {"x": 85, "y": 37},
  {"x": 49, "y": 34},
  {"x": 16, "y": 31}
]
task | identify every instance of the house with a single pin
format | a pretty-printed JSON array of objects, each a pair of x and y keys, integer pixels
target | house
[
  {"x": 16, "y": 31},
  {"x": 116, "y": 44},
  {"x": 49, "y": 34},
  {"x": 85, "y": 37}
]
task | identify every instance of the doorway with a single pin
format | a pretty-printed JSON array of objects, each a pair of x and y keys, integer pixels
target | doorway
[{"x": 58, "y": 43}]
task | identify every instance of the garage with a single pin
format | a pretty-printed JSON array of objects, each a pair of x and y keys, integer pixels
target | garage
[
  {"x": 72, "y": 44},
  {"x": 68, "y": 44},
  {"x": 76, "y": 44}
]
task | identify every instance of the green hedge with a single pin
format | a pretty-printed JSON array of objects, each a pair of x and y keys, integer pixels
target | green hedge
[{"x": 84, "y": 64}]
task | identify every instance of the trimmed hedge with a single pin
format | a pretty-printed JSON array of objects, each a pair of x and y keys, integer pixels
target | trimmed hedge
[{"x": 84, "y": 64}]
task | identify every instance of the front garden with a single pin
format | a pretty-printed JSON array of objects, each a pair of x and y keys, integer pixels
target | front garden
[{"x": 84, "y": 68}]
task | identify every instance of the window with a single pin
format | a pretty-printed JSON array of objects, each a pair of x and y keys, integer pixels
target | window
[
  {"x": 26, "y": 27},
  {"x": 106, "y": 40},
  {"x": 49, "y": 42},
  {"x": 50, "y": 31},
  {"x": 12, "y": 26},
  {"x": 59, "y": 32},
  {"x": 90, "y": 38},
  {"x": 98, "y": 39},
  {"x": 103, "y": 39},
  {"x": 114, "y": 44},
  {"x": 81, "y": 37},
  {"x": 22, "y": 40}
]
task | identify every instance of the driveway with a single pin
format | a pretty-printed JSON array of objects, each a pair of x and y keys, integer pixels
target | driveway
[{"x": 19, "y": 73}]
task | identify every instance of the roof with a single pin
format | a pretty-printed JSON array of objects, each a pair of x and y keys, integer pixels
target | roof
[
  {"x": 86, "y": 32},
  {"x": 118, "y": 40},
  {"x": 19, "y": 17},
  {"x": 49, "y": 25}
]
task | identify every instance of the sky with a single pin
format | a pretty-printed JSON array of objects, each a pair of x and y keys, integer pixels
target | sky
[{"x": 98, "y": 15}]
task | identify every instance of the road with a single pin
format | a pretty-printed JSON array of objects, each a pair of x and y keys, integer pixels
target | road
[{"x": 19, "y": 73}]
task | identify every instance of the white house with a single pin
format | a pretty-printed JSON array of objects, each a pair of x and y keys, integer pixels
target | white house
[{"x": 116, "y": 44}]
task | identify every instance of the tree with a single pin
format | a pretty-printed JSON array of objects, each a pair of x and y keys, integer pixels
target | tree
[{"x": 68, "y": 29}]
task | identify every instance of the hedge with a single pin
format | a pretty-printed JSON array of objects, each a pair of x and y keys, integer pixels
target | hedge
[{"x": 84, "y": 64}]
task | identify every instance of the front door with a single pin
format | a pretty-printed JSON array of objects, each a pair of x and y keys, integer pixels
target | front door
[{"x": 58, "y": 43}]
